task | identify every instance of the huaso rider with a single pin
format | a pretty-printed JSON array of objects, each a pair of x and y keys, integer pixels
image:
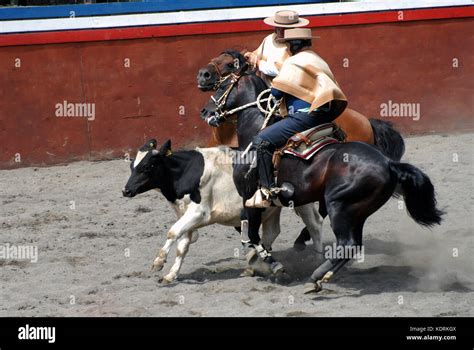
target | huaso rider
[
  {"x": 271, "y": 54},
  {"x": 310, "y": 97}
]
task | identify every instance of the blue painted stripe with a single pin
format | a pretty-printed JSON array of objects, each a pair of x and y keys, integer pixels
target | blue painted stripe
[{"x": 62, "y": 11}]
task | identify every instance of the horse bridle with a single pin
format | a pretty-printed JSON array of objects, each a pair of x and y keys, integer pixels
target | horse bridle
[
  {"x": 220, "y": 77},
  {"x": 222, "y": 100},
  {"x": 218, "y": 70}
]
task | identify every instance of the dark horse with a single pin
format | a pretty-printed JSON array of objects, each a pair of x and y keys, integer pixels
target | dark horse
[
  {"x": 350, "y": 180},
  {"x": 356, "y": 126}
]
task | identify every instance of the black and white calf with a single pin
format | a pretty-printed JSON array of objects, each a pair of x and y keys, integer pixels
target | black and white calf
[{"x": 199, "y": 186}]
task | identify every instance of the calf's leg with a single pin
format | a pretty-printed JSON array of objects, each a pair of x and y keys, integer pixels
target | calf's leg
[
  {"x": 314, "y": 223},
  {"x": 181, "y": 250},
  {"x": 194, "y": 217}
]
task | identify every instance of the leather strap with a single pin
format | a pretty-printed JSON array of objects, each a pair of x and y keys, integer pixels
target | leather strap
[
  {"x": 304, "y": 138},
  {"x": 216, "y": 67}
]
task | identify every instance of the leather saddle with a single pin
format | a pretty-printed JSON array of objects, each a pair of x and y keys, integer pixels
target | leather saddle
[{"x": 306, "y": 144}]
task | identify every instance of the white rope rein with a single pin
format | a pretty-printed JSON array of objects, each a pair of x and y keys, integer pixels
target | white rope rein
[
  {"x": 257, "y": 103},
  {"x": 269, "y": 111}
]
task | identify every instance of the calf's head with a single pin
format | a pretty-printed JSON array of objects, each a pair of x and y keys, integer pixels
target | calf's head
[{"x": 148, "y": 169}]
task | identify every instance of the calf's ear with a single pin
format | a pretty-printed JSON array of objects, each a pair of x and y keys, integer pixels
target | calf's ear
[
  {"x": 165, "y": 149},
  {"x": 149, "y": 145}
]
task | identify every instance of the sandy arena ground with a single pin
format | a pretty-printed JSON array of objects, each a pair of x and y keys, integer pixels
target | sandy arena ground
[{"x": 94, "y": 260}]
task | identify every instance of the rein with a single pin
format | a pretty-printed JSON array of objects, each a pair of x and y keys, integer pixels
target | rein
[
  {"x": 220, "y": 103},
  {"x": 222, "y": 100},
  {"x": 269, "y": 111}
]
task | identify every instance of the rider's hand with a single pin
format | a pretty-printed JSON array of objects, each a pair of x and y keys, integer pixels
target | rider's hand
[{"x": 251, "y": 58}]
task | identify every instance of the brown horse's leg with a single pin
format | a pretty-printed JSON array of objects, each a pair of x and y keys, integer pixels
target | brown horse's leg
[
  {"x": 214, "y": 139},
  {"x": 224, "y": 134}
]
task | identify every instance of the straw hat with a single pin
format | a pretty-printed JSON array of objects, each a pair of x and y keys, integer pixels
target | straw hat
[
  {"x": 297, "y": 34},
  {"x": 286, "y": 19}
]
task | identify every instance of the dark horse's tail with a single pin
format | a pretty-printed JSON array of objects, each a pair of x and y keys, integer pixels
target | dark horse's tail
[
  {"x": 387, "y": 139},
  {"x": 418, "y": 192}
]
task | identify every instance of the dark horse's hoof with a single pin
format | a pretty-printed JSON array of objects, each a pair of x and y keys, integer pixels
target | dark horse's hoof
[
  {"x": 281, "y": 277},
  {"x": 251, "y": 256},
  {"x": 276, "y": 267}
]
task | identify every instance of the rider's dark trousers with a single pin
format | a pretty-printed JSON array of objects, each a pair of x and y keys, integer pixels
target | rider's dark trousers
[{"x": 277, "y": 135}]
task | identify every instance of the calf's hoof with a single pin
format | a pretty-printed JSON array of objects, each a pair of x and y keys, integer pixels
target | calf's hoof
[
  {"x": 313, "y": 287},
  {"x": 167, "y": 279},
  {"x": 157, "y": 265}
]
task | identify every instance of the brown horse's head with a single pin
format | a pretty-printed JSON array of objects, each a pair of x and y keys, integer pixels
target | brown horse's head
[{"x": 229, "y": 61}]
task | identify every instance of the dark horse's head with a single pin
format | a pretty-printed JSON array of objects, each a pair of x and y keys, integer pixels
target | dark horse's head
[
  {"x": 240, "y": 89},
  {"x": 229, "y": 61}
]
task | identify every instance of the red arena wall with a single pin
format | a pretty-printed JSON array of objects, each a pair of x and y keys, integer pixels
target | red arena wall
[{"x": 146, "y": 88}]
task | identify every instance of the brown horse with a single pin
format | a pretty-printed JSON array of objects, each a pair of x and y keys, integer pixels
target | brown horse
[{"x": 224, "y": 134}]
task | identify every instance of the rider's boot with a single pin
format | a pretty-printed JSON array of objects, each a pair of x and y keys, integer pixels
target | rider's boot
[{"x": 266, "y": 193}]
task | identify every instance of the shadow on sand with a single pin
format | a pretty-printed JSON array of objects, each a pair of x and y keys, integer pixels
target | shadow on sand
[{"x": 351, "y": 281}]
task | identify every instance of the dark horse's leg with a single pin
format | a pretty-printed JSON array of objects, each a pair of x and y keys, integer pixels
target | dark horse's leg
[
  {"x": 348, "y": 230},
  {"x": 350, "y": 200},
  {"x": 255, "y": 219}
]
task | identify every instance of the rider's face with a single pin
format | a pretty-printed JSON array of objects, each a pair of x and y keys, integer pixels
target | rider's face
[
  {"x": 279, "y": 32},
  {"x": 295, "y": 46}
]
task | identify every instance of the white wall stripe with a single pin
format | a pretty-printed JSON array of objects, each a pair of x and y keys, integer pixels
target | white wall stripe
[{"x": 19, "y": 26}]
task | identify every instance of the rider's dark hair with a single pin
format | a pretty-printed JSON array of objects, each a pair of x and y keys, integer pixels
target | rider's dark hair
[{"x": 297, "y": 44}]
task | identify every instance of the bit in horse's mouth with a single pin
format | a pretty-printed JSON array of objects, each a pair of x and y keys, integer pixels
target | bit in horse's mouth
[{"x": 209, "y": 86}]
